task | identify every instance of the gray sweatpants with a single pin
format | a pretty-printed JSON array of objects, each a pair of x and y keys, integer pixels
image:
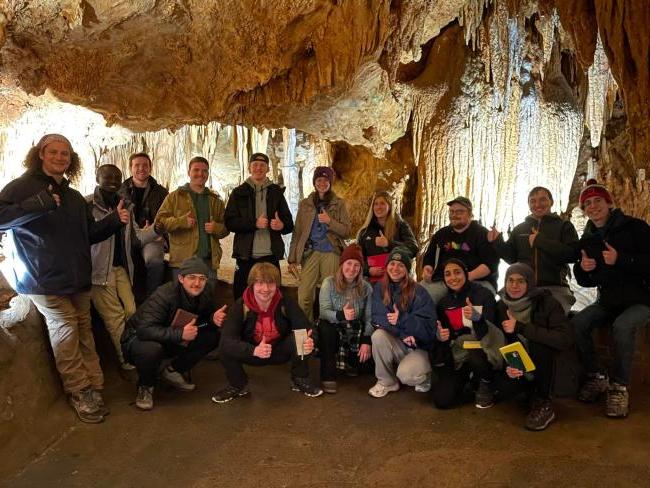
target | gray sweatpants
[{"x": 395, "y": 361}]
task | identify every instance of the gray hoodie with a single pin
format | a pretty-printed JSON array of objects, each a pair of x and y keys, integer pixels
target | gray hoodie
[{"x": 262, "y": 238}]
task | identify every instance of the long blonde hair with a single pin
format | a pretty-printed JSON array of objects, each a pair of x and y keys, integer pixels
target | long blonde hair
[
  {"x": 356, "y": 289},
  {"x": 390, "y": 228}
]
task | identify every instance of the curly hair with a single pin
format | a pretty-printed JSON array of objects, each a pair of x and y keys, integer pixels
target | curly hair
[{"x": 33, "y": 161}]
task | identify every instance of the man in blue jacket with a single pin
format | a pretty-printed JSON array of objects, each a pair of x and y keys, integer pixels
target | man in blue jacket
[{"x": 50, "y": 230}]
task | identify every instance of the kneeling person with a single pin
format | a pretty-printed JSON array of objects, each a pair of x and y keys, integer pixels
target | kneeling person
[
  {"x": 149, "y": 336},
  {"x": 259, "y": 331}
]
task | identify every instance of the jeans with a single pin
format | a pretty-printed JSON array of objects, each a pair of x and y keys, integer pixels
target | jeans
[
  {"x": 282, "y": 351},
  {"x": 147, "y": 356},
  {"x": 624, "y": 326}
]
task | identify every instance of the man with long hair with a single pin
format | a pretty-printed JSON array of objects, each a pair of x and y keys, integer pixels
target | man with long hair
[{"x": 50, "y": 229}]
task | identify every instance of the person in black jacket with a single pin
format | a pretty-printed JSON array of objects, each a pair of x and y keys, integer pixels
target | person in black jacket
[
  {"x": 544, "y": 241},
  {"x": 383, "y": 230},
  {"x": 258, "y": 214},
  {"x": 463, "y": 239},
  {"x": 532, "y": 316},
  {"x": 147, "y": 196},
  {"x": 615, "y": 257},
  {"x": 151, "y": 334},
  {"x": 259, "y": 330},
  {"x": 49, "y": 233}
]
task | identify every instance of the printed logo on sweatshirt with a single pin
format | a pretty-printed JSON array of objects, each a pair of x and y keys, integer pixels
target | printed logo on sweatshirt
[{"x": 454, "y": 246}]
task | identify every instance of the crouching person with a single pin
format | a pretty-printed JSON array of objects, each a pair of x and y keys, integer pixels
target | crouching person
[
  {"x": 150, "y": 336},
  {"x": 259, "y": 331},
  {"x": 345, "y": 327},
  {"x": 534, "y": 317},
  {"x": 404, "y": 314},
  {"x": 466, "y": 318}
]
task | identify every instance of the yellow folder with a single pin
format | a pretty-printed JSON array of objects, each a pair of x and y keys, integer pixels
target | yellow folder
[{"x": 517, "y": 357}]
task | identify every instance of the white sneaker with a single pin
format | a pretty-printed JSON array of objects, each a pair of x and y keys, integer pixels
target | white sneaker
[
  {"x": 425, "y": 386},
  {"x": 380, "y": 391},
  {"x": 175, "y": 379}
]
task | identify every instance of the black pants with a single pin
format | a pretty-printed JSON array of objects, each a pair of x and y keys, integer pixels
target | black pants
[
  {"x": 543, "y": 379},
  {"x": 146, "y": 356},
  {"x": 447, "y": 391},
  {"x": 329, "y": 342},
  {"x": 282, "y": 351},
  {"x": 240, "y": 281}
]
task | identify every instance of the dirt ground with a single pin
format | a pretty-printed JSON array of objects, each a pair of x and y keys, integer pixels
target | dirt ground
[{"x": 277, "y": 438}]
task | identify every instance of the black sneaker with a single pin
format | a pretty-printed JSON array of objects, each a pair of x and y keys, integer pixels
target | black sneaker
[
  {"x": 144, "y": 397},
  {"x": 484, "y": 396},
  {"x": 304, "y": 385},
  {"x": 592, "y": 389},
  {"x": 618, "y": 401},
  {"x": 541, "y": 414},
  {"x": 229, "y": 393}
]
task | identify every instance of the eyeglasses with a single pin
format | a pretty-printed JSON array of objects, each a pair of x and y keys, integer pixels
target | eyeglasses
[{"x": 196, "y": 277}]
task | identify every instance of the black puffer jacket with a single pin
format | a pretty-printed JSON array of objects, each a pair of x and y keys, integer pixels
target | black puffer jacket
[
  {"x": 555, "y": 246},
  {"x": 238, "y": 328},
  {"x": 50, "y": 245},
  {"x": 478, "y": 295},
  {"x": 154, "y": 196},
  {"x": 152, "y": 320},
  {"x": 627, "y": 282},
  {"x": 240, "y": 218}
]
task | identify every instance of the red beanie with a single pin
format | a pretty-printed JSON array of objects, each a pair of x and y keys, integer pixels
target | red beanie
[
  {"x": 593, "y": 189},
  {"x": 353, "y": 251}
]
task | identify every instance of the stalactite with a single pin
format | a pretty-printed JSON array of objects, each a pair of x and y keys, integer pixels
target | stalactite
[{"x": 600, "y": 96}]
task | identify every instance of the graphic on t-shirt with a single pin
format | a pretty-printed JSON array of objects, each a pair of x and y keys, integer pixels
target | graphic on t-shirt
[{"x": 455, "y": 246}]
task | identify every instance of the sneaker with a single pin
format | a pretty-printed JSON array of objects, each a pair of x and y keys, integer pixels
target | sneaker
[
  {"x": 618, "y": 401},
  {"x": 127, "y": 366},
  {"x": 86, "y": 408},
  {"x": 144, "y": 397},
  {"x": 175, "y": 379},
  {"x": 304, "y": 385},
  {"x": 541, "y": 414},
  {"x": 229, "y": 393},
  {"x": 484, "y": 396},
  {"x": 329, "y": 386},
  {"x": 380, "y": 391},
  {"x": 593, "y": 388},
  {"x": 99, "y": 401},
  {"x": 425, "y": 386}
]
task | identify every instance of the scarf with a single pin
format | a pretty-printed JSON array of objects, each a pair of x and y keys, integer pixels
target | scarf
[
  {"x": 265, "y": 326},
  {"x": 520, "y": 308}
]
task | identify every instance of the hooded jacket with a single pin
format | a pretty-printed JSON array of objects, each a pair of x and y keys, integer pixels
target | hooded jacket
[
  {"x": 627, "y": 282},
  {"x": 555, "y": 246},
  {"x": 49, "y": 245},
  {"x": 153, "y": 198},
  {"x": 337, "y": 230},
  {"x": 183, "y": 238},
  {"x": 240, "y": 218},
  {"x": 404, "y": 237},
  {"x": 418, "y": 320}
]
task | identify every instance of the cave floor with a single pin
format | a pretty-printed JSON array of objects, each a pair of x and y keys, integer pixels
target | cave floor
[{"x": 276, "y": 437}]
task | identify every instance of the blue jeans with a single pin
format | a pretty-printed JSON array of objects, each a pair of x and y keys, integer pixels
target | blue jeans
[{"x": 624, "y": 328}]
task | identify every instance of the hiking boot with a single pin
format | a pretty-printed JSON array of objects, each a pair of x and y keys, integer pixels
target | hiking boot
[
  {"x": 329, "y": 386},
  {"x": 99, "y": 401},
  {"x": 126, "y": 366},
  {"x": 380, "y": 391},
  {"x": 425, "y": 386},
  {"x": 618, "y": 401},
  {"x": 230, "y": 393},
  {"x": 86, "y": 408},
  {"x": 304, "y": 385},
  {"x": 593, "y": 388},
  {"x": 484, "y": 396},
  {"x": 541, "y": 414},
  {"x": 144, "y": 397},
  {"x": 176, "y": 379}
]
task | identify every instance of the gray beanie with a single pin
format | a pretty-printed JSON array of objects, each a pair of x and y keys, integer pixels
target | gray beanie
[
  {"x": 193, "y": 265},
  {"x": 525, "y": 271}
]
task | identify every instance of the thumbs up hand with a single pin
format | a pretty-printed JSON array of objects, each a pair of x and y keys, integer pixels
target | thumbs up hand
[
  {"x": 510, "y": 324},
  {"x": 219, "y": 316},
  {"x": 443, "y": 333},
  {"x": 610, "y": 255},
  {"x": 263, "y": 350},
  {"x": 276, "y": 223},
  {"x": 262, "y": 222},
  {"x": 323, "y": 217},
  {"x": 191, "y": 221},
  {"x": 532, "y": 236},
  {"x": 56, "y": 196},
  {"x": 122, "y": 212},
  {"x": 393, "y": 317},
  {"x": 493, "y": 234},
  {"x": 381, "y": 240},
  {"x": 348, "y": 311},
  {"x": 586, "y": 263},
  {"x": 308, "y": 343},
  {"x": 469, "y": 312}
]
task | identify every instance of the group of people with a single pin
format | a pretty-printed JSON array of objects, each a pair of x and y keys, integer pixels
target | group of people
[{"x": 440, "y": 335}]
